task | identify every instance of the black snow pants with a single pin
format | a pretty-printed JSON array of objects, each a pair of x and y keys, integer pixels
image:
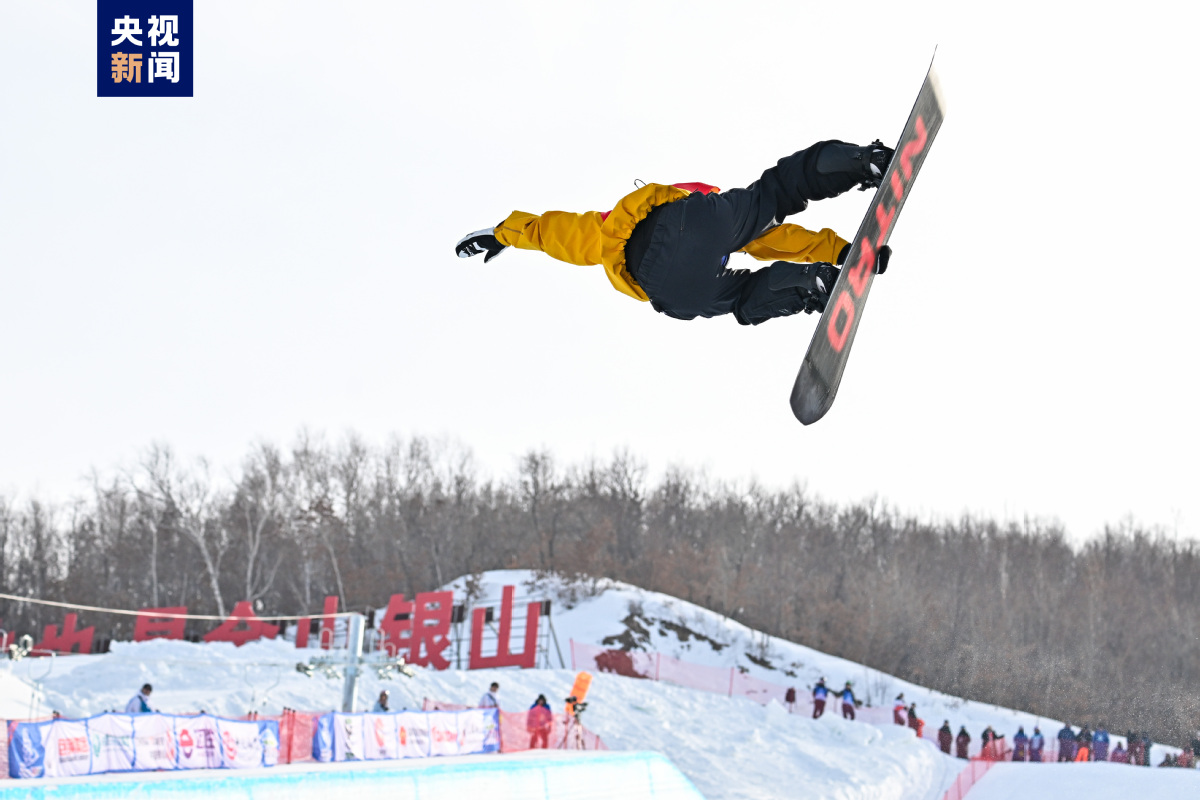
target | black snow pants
[{"x": 679, "y": 252}]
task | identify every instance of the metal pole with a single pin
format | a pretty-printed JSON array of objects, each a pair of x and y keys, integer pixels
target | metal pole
[{"x": 354, "y": 646}]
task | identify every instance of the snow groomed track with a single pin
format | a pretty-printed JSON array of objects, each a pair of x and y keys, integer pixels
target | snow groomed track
[
  {"x": 1093, "y": 781},
  {"x": 546, "y": 775}
]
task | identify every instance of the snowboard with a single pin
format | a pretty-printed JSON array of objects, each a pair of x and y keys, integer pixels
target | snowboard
[{"x": 821, "y": 371}]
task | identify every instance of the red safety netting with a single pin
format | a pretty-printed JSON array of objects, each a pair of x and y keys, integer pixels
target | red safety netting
[
  {"x": 516, "y": 736},
  {"x": 729, "y": 681},
  {"x": 976, "y": 768}
]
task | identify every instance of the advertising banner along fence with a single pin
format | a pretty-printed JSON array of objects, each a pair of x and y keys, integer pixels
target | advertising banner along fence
[
  {"x": 138, "y": 742},
  {"x": 405, "y": 734}
]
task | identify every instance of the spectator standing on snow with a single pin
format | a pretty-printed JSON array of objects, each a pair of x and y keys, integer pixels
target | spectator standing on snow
[
  {"x": 962, "y": 742},
  {"x": 1037, "y": 743},
  {"x": 848, "y": 702},
  {"x": 1134, "y": 744},
  {"x": 140, "y": 702},
  {"x": 1020, "y": 743},
  {"x": 489, "y": 699},
  {"x": 914, "y": 722},
  {"x": 820, "y": 692},
  {"x": 381, "y": 705},
  {"x": 1119, "y": 755},
  {"x": 1100, "y": 743},
  {"x": 538, "y": 722},
  {"x": 789, "y": 697},
  {"x": 900, "y": 710},
  {"x": 1066, "y": 743},
  {"x": 945, "y": 737},
  {"x": 1146, "y": 744},
  {"x": 1084, "y": 742}
]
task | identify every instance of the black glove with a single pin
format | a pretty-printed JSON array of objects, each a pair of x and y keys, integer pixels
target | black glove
[
  {"x": 483, "y": 241},
  {"x": 863, "y": 165}
]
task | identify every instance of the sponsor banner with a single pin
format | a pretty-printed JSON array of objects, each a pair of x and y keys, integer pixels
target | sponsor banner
[
  {"x": 381, "y": 738},
  {"x": 139, "y": 742},
  {"x": 347, "y": 737},
  {"x": 443, "y": 732},
  {"x": 153, "y": 742},
  {"x": 412, "y": 730},
  {"x": 111, "y": 739},
  {"x": 67, "y": 750},
  {"x": 242, "y": 743},
  {"x": 27, "y": 750},
  {"x": 198, "y": 745},
  {"x": 479, "y": 732},
  {"x": 406, "y": 734},
  {"x": 323, "y": 738}
]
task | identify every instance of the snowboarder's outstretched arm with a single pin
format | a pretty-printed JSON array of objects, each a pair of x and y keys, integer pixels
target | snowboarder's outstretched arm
[{"x": 789, "y": 242}]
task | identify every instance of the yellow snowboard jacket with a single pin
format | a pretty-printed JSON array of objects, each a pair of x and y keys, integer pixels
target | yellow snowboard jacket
[{"x": 594, "y": 237}]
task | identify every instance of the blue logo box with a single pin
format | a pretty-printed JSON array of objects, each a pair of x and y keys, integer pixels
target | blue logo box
[{"x": 144, "y": 48}]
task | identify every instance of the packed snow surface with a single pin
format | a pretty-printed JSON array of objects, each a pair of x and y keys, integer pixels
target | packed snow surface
[
  {"x": 1092, "y": 781},
  {"x": 729, "y": 747}
]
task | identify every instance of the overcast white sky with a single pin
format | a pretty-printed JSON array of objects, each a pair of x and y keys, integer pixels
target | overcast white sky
[{"x": 276, "y": 252}]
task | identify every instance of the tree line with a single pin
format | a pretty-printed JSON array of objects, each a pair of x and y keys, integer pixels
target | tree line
[{"x": 999, "y": 612}]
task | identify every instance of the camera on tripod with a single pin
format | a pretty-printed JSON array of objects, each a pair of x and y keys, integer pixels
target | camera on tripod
[{"x": 577, "y": 707}]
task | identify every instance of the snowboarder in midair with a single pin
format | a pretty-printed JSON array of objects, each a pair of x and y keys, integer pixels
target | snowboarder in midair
[{"x": 670, "y": 245}]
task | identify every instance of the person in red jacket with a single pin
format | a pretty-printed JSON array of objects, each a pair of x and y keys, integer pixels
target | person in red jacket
[
  {"x": 900, "y": 710},
  {"x": 945, "y": 737},
  {"x": 538, "y": 722},
  {"x": 670, "y": 245},
  {"x": 962, "y": 742}
]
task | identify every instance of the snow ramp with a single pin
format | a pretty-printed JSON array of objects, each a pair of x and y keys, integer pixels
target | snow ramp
[
  {"x": 1095, "y": 781},
  {"x": 547, "y": 775}
]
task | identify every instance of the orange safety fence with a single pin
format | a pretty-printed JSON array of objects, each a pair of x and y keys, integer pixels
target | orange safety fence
[{"x": 976, "y": 768}]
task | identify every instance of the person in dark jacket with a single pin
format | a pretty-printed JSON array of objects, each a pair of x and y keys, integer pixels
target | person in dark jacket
[
  {"x": 962, "y": 742},
  {"x": 1146, "y": 745},
  {"x": 1100, "y": 743},
  {"x": 915, "y": 722},
  {"x": 1020, "y": 744},
  {"x": 1137, "y": 751},
  {"x": 1037, "y": 743},
  {"x": 671, "y": 244},
  {"x": 789, "y": 697},
  {"x": 1083, "y": 744},
  {"x": 1066, "y": 744},
  {"x": 945, "y": 737},
  {"x": 820, "y": 692},
  {"x": 848, "y": 702}
]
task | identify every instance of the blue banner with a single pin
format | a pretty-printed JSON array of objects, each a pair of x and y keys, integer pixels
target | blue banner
[{"x": 144, "y": 48}]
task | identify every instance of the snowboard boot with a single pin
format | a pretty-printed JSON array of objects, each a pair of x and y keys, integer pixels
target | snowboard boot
[{"x": 813, "y": 282}]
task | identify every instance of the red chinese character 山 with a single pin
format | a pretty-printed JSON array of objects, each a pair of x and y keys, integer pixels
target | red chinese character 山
[
  {"x": 328, "y": 623},
  {"x": 419, "y": 630},
  {"x": 242, "y": 626},
  {"x": 70, "y": 641},
  {"x": 158, "y": 623},
  {"x": 527, "y": 659}
]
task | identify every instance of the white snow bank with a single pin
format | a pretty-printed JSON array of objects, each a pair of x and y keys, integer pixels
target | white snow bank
[{"x": 1093, "y": 781}]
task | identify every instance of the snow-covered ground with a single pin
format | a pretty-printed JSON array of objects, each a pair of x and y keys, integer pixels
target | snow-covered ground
[
  {"x": 1091, "y": 781},
  {"x": 729, "y": 747}
]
